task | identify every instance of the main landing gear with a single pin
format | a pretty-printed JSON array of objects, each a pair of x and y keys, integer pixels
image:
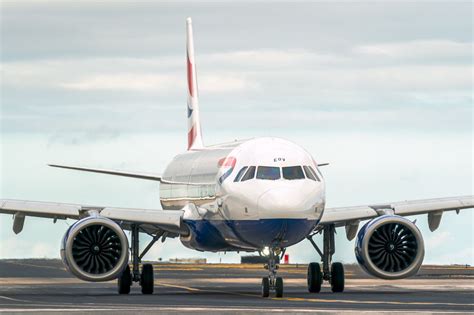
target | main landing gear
[
  {"x": 272, "y": 282},
  {"x": 332, "y": 272},
  {"x": 145, "y": 278}
]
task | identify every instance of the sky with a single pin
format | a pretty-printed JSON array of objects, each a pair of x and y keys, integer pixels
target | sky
[{"x": 380, "y": 90}]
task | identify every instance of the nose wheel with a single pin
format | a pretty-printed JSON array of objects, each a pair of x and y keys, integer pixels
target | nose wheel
[
  {"x": 331, "y": 272},
  {"x": 272, "y": 282},
  {"x": 265, "y": 287},
  {"x": 277, "y": 286}
]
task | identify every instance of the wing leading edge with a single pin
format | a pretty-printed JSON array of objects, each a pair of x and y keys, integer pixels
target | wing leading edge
[
  {"x": 351, "y": 216},
  {"x": 165, "y": 219}
]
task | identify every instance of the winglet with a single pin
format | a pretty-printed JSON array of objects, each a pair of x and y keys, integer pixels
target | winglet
[{"x": 194, "y": 123}]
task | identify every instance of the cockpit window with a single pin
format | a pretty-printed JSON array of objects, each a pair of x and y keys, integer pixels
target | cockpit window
[
  {"x": 240, "y": 173},
  {"x": 293, "y": 172},
  {"x": 249, "y": 174},
  {"x": 310, "y": 173},
  {"x": 268, "y": 172}
]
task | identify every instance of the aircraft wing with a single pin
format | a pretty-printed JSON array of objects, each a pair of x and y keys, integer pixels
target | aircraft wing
[
  {"x": 165, "y": 219},
  {"x": 351, "y": 216}
]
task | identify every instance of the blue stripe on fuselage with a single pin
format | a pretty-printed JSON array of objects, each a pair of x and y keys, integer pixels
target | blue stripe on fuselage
[{"x": 228, "y": 235}]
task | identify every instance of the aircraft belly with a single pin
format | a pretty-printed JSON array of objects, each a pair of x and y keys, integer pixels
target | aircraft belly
[{"x": 247, "y": 235}]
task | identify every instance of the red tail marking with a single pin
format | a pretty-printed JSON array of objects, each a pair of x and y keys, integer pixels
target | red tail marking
[
  {"x": 191, "y": 136},
  {"x": 190, "y": 77}
]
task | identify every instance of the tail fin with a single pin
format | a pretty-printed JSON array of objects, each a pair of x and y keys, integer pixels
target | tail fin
[{"x": 194, "y": 123}]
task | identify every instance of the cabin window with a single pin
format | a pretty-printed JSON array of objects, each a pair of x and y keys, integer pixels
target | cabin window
[
  {"x": 207, "y": 191},
  {"x": 310, "y": 173},
  {"x": 268, "y": 172},
  {"x": 249, "y": 174},
  {"x": 293, "y": 172},
  {"x": 240, "y": 173}
]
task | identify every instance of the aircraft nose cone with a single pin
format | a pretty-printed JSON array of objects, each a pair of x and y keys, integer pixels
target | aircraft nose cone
[{"x": 280, "y": 201}]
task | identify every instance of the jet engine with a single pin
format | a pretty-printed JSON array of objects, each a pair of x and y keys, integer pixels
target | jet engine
[
  {"x": 390, "y": 247},
  {"x": 95, "y": 249}
]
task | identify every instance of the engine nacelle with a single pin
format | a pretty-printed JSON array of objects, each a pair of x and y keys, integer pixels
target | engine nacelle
[
  {"x": 95, "y": 249},
  {"x": 390, "y": 247}
]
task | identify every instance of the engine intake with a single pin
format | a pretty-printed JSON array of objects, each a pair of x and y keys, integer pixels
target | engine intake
[
  {"x": 95, "y": 249},
  {"x": 390, "y": 247}
]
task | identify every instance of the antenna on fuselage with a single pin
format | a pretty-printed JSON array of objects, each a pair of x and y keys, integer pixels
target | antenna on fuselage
[{"x": 194, "y": 123}]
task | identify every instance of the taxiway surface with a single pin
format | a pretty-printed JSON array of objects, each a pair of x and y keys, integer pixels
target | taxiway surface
[{"x": 44, "y": 286}]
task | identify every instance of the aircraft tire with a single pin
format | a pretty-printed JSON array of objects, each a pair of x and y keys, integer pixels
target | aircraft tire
[
  {"x": 265, "y": 287},
  {"x": 124, "y": 281},
  {"x": 146, "y": 279},
  {"x": 279, "y": 287},
  {"x": 314, "y": 277},
  {"x": 337, "y": 277}
]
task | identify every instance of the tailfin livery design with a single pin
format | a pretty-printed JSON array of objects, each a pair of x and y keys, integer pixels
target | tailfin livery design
[
  {"x": 194, "y": 124},
  {"x": 227, "y": 165}
]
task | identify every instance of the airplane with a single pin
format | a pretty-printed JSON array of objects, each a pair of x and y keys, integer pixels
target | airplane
[{"x": 258, "y": 195}]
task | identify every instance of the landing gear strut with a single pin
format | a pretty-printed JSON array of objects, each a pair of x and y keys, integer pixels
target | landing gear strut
[
  {"x": 145, "y": 278},
  {"x": 272, "y": 282},
  {"x": 332, "y": 272}
]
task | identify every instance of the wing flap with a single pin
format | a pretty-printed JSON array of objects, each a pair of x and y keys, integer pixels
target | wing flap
[{"x": 158, "y": 217}]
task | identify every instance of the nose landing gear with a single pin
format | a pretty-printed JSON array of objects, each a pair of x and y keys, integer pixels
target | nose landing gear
[
  {"x": 272, "y": 282},
  {"x": 332, "y": 272}
]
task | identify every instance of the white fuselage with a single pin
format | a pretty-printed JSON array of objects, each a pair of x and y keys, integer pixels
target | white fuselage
[{"x": 245, "y": 195}]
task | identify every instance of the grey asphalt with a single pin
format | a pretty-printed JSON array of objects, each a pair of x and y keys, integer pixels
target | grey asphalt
[{"x": 44, "y": 286}]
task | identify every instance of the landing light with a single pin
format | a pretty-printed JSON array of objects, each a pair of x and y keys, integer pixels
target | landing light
[{"x": 266, "y": 251}]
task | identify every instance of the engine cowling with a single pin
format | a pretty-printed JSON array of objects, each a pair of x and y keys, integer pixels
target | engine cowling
[
  {"x": 390, "y": 247},
  {"x": 95, "y": 249}
]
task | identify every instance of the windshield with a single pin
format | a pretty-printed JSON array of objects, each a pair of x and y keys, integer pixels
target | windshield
[
  {"x": 240, "y": 173},
  {"x": 293, "y": 172},
  {"x": 249, "y": 174},
  {"x": 268, "y": 172},
  {"x": 310, "y": 173}
]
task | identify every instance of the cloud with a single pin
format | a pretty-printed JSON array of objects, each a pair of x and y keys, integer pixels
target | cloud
[
  {"x": 436, "y": 240},
  {"x": 145, "y": 90},
  {"x": 271, "y": 58},
  {"x": 15, "y": 247},
  {"x": 419, "y": 50},
  {"x": 164, "y": 75},
  {"x": 419, "y": 60},
  {"x": 226, "y": 82},
  {"x": 125, "y": 81},
  {"x": 236, "y": 71}
]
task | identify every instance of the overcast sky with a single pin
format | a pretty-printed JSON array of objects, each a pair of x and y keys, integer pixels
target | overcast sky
[{"x": 381, "y": 90}]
